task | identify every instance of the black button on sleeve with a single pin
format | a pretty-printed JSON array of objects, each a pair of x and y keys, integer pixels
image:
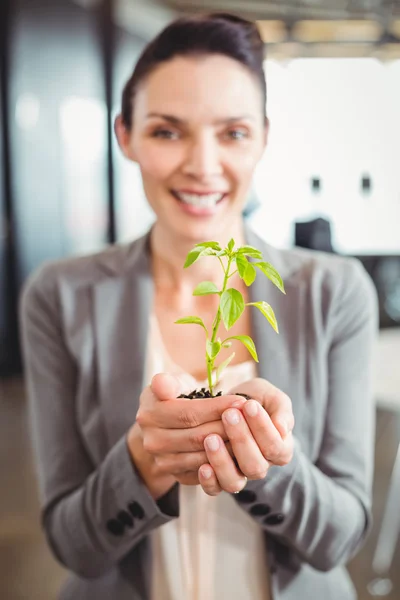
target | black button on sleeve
[
  {"x": 245, "y": 497},
  {"x": 274, "y": 519},
  {"x": 125, "y": 518},
  {"x": 115, "y": 527},
  {"x": 136, "y": 510},
  {"x": 260, "y": 510}
]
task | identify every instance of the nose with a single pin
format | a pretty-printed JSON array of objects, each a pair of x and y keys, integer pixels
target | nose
[{"x": 203, "y": 160}]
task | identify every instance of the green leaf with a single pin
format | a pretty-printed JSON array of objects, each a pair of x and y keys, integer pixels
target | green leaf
[
  {"x": 212, "y": 349},
  {"x": 195, "y": 320},
  {"x": 195, "y": 254},
  {"x": 204, "y": 288},
  {"x": 246, "y": 270},
  {"x": 231, "y": 244},
  {"x": 272, "y": 274},
  {"x": 192, "y": 257},
  {"x": 268, "y": 313},
  {"x": 248, "y": 342},
  {"x": 249, "y": 274},
  {"x": 223, "y": 366},
  {"x": 250, "y": 251},
  {"x": 213, "y": 245},
  {"x": 241, "y": 263},
  {"x": 232, "y": 306}
]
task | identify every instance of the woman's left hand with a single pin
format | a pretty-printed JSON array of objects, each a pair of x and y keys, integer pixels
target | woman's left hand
[{"x": 260, "y": 435}]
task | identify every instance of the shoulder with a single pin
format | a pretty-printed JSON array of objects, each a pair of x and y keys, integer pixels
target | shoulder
[
  {"x": 330, "y": 282},
  {"x": 332, "y": 271},
  {"x": 312, "y": 267},
  {"x": 71, "y": 274},
  {"x": 337, "y": 288}
]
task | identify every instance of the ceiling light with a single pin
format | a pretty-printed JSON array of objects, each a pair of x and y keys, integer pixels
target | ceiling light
[
  {"x": 337, "y": 31},
  {"x": 272, "y": 32}
]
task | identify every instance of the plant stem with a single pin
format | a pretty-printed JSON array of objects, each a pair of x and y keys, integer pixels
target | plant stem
[
  {"x": 209, "y": 375},
  {"x": 218, "y": 316},
  {"x": 222, "y": 264},
  {"x": 217, "y": 321}
]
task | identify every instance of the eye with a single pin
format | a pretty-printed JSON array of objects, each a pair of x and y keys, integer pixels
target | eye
[
  {"x": 165, "y": 134},
  {"x": 237, "y": 134}
]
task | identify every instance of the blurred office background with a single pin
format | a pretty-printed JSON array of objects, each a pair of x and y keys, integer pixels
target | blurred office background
[{"x": 330, "y": 179}]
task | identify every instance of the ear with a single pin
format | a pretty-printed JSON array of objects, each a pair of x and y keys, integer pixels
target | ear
[{"x": 124, "y": 138}]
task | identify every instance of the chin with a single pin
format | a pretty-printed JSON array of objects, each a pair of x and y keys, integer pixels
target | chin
[
  {"x": 191, "y": 229},
  {"x": 208, "y": 231}
]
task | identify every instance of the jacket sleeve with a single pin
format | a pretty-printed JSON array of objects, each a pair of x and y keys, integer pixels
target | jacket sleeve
[
  {"x": 92, "y": 516},
  {"x": 323, "y": 510}
]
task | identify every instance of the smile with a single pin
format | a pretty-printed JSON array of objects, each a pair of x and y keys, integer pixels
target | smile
[{"x": 201, "y": 200}]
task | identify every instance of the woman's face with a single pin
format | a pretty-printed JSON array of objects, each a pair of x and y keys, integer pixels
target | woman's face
[{"x": 198, "y": 133}]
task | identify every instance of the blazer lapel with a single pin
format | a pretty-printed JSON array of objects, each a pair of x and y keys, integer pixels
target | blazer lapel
[{"x": 122, "y": 305}]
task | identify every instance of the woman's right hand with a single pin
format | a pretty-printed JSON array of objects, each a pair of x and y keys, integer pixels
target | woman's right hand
[{"x": 167, "y": 441}]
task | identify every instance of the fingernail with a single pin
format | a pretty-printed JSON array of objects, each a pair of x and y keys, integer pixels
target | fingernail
[
  {"x": 212, "y": 442},
  {"x": 206, "y": 472},
  {"x": 251, "y": 408},
  {"x": 232, "y": 416}
]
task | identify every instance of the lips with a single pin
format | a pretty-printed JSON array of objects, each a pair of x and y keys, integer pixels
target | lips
[{"x": 201, "y": 200}]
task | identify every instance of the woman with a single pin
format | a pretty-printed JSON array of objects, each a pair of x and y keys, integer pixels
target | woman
[{"x": 101, "y": 348}]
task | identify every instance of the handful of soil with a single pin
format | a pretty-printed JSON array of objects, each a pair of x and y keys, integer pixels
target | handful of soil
[{"x": 203, "y": 393}]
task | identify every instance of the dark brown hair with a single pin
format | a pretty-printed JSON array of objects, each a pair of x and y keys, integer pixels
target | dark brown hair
[{"x": 216, "y": 33}]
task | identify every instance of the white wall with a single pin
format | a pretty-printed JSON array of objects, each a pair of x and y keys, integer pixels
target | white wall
[{"x": 336, "y": 119}]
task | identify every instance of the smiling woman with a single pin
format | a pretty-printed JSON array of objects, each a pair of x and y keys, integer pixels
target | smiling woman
[
  {"x": 193, "y": 118},
  {"x": 123, "y": 469}
]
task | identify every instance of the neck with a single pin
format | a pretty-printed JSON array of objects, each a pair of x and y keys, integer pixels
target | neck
[{"x": 169, "y": 254}]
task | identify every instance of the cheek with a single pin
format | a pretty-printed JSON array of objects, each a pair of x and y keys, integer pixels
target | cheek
[
  {"x": 158, "y": 163},
  {"x": 242, "y": 164}
]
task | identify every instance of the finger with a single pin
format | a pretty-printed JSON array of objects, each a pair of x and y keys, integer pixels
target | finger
[
  {"x": 283, "y": 419},
  {"x": 168, "y": 441},
  {"x": 287, "y": 453},
  {"x": 183, "y": 414},
  {"x": 182, "y": 462},
  {"x": 166, "y": 386},
  {"x": 268, "y": 439},
  {"x": 277, "y": 404},
  {"x": 208, "y": 480},
  {"x": 251, "y": 460},
  {"x": 177, "y": 464},
  {"x": 188, "y": 478},
  {"x": 228, "y": 475}
]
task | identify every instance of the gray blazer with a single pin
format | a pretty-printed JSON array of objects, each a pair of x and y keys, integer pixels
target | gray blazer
[{"x": 84, "y": 326}]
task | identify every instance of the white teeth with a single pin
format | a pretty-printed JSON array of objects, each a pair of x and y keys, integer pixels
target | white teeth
[{"x": 204, "y": 200}]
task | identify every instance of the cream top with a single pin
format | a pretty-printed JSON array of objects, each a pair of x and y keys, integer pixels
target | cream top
[{"x": 214, "y": 550}]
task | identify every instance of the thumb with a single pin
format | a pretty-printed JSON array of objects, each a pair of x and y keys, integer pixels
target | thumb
[{"x": 168, "y": 387}]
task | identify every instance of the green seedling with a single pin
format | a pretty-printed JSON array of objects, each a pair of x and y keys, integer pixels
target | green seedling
[{"x": 231, "y": 302}]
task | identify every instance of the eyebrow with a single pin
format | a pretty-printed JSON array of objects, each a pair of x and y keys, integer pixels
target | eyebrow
[{"x": 177, "y": 121}]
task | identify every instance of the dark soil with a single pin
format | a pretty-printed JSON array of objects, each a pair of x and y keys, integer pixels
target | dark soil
[{"x": 203, "y": 393}]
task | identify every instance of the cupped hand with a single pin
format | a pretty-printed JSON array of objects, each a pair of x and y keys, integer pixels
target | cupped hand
[
  {"x": 173, "y": 430},
  {"x": 260, "y": 434}
]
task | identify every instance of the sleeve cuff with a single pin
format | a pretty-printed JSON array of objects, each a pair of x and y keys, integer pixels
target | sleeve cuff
[
  {"x": 269, "y": 499},
  {"x": 130, "y": 506},
  {"x": 164, "y": 508}
]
